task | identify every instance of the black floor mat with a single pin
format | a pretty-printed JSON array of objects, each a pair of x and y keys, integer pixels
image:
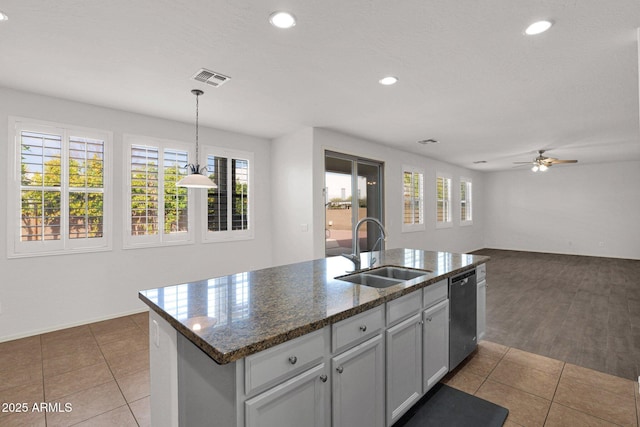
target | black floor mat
[{"x": 444, "y": 406}]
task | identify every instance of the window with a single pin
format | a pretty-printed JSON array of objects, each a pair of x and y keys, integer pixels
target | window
[
  {"x": 466, "y": 209},
  {"x": 158, "y": 212},
  {"x": 413, "y": 199},
  {"x": 59, "y": 196},
  {"x": 443, "y": 201},
  {"x": 229, "y": 207}
]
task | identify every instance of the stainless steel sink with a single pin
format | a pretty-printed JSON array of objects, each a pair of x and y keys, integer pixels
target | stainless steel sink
[
  {"x": 397, "y": 273},
  {"x": 370, "y": 280},
  {"x": 383, "y": 277}
]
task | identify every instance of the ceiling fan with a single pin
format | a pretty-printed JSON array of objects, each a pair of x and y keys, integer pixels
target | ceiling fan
[{"x": 542, "y": 163}]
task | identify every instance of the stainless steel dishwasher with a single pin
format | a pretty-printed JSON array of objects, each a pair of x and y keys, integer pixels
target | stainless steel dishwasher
[{"x": 462, "y": 317}]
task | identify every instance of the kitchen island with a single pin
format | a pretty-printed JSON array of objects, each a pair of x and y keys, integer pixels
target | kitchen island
[{"x": 296, "y": 345}]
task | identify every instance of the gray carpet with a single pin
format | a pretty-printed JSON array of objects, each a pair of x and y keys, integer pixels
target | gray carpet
[
  {"x": 578, "y": 309},
  {"x": 444, "y": 406}
]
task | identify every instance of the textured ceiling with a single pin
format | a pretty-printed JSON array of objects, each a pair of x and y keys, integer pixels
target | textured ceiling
[{"x": 468, "y": 76}]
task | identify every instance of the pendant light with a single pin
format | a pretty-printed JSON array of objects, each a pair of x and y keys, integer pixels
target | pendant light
[{"x": 196, "y": 179}]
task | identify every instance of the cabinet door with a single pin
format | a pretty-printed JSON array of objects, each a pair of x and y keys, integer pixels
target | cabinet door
[
  {"x": 294, "y": 403},
  {"x": 481, "y": 311},
  {"x": 436, "y": 344},
  {"x": 404, "y": 367},
  {"x": 358, "y": 386}
]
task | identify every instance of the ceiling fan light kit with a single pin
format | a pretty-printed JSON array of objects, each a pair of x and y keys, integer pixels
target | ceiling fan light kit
[{"x": 539, "y": 167}]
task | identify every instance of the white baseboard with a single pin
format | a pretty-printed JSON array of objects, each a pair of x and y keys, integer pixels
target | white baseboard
[{"x": 71, "y": 325}]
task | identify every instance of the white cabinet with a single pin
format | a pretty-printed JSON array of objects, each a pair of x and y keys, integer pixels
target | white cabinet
[
  {"x": 294, "y": 403},
  {"x": 435, "y": 344},
  {"x": 364, "y": 371},
  {"x": 404, "y": 366},
  {"x": 481, "y": 311},
  {"x": 358, "y": 386}
]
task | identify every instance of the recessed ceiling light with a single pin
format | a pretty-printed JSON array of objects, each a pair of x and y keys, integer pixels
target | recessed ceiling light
[
  {"x": 538, "y": 27},
  {"x": 3, "y": 17},
  {"x": 389, "y": 80},
  {"x": 282, "y": 20}
]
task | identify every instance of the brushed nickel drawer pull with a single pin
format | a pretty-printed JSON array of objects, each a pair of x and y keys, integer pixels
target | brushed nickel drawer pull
[{"x": 293, "y": 360}]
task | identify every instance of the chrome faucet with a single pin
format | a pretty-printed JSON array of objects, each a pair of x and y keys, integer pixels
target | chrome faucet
[{"x": 355, "y": 244}]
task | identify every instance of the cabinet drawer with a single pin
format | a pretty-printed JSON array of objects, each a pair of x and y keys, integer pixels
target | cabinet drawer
[
  {"x": 481, "y": 272},
  {"x": 435, "y": 293},
  {"x": 403, "y": 307},
  {"x": 283, "y": 361},
  {"x": 357, "y": 328}
]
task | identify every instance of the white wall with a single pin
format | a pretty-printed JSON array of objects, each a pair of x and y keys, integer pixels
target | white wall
[
  {"x": 455, "y": 239},
  {"x": 292, "y": 197},
  {"x": 579, "y": 209},
  {"x": 50, "y": 292}
]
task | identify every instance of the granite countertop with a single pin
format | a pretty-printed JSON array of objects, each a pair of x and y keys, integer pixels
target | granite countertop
[{"x": 233, "y": 316}]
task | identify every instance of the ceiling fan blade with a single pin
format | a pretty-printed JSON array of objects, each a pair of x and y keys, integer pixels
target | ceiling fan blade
[{"x": 564, "y": 161}]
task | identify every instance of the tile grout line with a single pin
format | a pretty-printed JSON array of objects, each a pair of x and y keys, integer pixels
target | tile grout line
[
  {"x": 114, "y": 375},
  {"x": 487, "y": 377},
  {"x": 114, "y": 380},
  {"x": 125, "y": 399},
  {"x": 637, "y": 397},
  {"x": 553, "y": 398},
  {"x": 532, "y": 394},
  {"x": 553, "y": 401},
  {"x": 44, "y": 395}
]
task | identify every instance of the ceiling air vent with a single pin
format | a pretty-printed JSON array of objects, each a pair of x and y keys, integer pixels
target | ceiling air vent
[
  {"x": 210, "y": 77},
  {"x": 428, "y": 141}
]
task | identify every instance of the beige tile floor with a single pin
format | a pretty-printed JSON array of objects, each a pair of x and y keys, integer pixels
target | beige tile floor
[
  {"x": 102, "y": 371},
  {"x": 540, "y": 391}
]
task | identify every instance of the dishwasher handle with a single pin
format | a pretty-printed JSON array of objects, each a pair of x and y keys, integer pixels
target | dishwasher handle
[{"x": 464, "y": 278}]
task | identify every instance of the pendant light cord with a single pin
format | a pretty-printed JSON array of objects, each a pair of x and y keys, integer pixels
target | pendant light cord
[
  {"x": 196, "y": 179},
  {"x": 197, "y": 110}
]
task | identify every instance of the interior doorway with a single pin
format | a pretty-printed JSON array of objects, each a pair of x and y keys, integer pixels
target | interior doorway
[{"x": 352, "y": 190}]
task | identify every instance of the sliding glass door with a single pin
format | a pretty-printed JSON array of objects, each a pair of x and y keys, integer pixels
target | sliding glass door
[{"x": 353, "y": 190}]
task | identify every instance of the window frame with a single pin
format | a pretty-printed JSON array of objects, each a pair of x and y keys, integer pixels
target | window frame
[
  {"x": 468, "y": 182},
  {"x": 229, "y": 234},
  {"x": 16, "y": 248},
  {"x": 447, "y": 203},
  {"x": 419, "y": 226},
  {"x": 161, "y": 238}
]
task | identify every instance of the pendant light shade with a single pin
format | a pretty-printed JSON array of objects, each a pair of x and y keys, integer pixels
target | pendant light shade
[{"x": 196, "y": 179}]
